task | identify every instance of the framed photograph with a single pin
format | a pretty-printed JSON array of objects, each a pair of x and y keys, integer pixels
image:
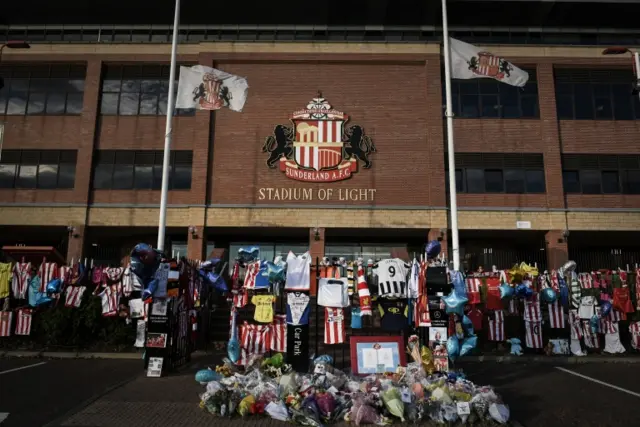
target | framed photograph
[
  {"x": 376, "y": 355},
  {"x": 154, "y": 369},
  {"x": 156, "y": 340}
]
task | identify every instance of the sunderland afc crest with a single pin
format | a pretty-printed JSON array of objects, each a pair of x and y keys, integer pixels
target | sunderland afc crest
[
  {"x": 488, "y": 65},
  {"x": 211, "y": 94},
  {"x": 318, "y": 147}
]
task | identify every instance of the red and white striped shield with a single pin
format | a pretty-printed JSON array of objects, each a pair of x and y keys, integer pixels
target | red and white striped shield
[
  {"x": 318, "y": 143},
  {"x": 534, "y": 334}
]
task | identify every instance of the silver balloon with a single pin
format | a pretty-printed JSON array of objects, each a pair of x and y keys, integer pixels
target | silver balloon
[{"x": 569, "y": 266}]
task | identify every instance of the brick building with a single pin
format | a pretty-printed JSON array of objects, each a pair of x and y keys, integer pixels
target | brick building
[{"x": 543, "y": 173}]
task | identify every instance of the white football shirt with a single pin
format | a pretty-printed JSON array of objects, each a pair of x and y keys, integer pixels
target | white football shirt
[{"x": 392, "y": 277}]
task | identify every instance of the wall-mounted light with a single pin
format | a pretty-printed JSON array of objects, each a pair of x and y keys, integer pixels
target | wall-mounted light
[
  {"x": 193, "y": 230},
  {"x": 443, "y": 232},
  {"x": 316, "y": 234},
  {"x": 72, "y": 231}
]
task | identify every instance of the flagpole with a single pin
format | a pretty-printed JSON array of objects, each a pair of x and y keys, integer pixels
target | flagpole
[
  {"x": 453, "y": 203},
  {"x": 162, "y": 223}
]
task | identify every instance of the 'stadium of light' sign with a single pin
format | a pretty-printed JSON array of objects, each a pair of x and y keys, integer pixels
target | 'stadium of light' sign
[
  {"x": 318, "y": 147},
  {"x": 321, "y": 194}
]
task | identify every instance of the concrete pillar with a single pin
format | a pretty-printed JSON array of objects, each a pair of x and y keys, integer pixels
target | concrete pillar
[
  {"x": 316, "y": 243},
  {"x": 196, "y": 243},
  {"x": 557, "y": 249}
]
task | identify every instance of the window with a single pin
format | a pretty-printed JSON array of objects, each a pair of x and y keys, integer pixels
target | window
[
  {"x": 596, "y": 94},
  {"x": 268, "y": 251},
  {"x": 499, "y": 173},
  {"x": 38, "y": 169},
  {"x": 140, "y": 170},
  {"x": 488, "y": 98},
  {"x": 42, "y": 89},
  {"x": 601, "y": 174},
  {"x": 136, "y": 90}
]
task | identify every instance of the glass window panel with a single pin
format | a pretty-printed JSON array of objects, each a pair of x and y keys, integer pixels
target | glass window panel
[
  {"x": 590, "y": 181},
  {"x": 148, "y": 104},
  {"x": 490, "y": 106},
  {"x": 571, "y": 181},
  {"x": 157, "y": 176},
  {"x": 514, "y": 181},
  {"x": 39, "y": 85},
  {"x": 27, "y": 176},
  {"x": 488, "y": 87},
  {"x": 7, "y": 175},
  {"x": 47, "y": 176},
  {"x": 622, "y": 102},
  {"x": 18, "y": 85},
  {"x": 36, "y": 103},
  {"x": 131, "y": 85},
  {"x": 111, "y": 85},
  {"x": 58, "y": 85},
  {"x": 535, "y": 182},
  {"x": 151, "y": 86},
  {"x": 494, "y": 181},
  {"x": 102, "y": 176},
  {"x": 283, "y": 249},
  {"x": 122, "y": 177},
  {"x": 531, "y": 88},
  {"x": 129, "y": 104},
  {"x": 469, "y": 106},
  {"x": 475, "y": 180},
  {"x": 55, "y": 102},
  {"x": 66, "y": 175},
  {"x": 74, "y": 103},
  {"x": 509, "y": 102},
  {"x": 632, "y": 182},
  {"x": 529, "y": 106},
  {"x": 162, "y": 103},
  {"x": 610, "y": 182},
  {"x": 76, "y": 85},
  {"x": 143, "y": 177},
  {"x": 459, "y": 180},
  {"x": 3, "y": 102},
  {"x": 181, "y": 177},
  {"x": 178, "y": 249},
  {"x": 17, "y": 104},
  {"x": 583, "y": 102},
  {"x": 564, "y": 106},
  {"x": 109, "y": 104},
  {"x": 602, "y": 101}
]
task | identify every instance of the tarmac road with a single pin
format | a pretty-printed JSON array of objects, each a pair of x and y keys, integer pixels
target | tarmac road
[{"x": 35, "y": 392}]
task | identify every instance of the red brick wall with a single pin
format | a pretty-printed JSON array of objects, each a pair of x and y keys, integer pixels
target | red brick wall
[{"x": 389, "y": 100}]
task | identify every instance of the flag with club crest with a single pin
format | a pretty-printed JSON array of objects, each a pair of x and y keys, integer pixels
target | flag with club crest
[{"x": 206, "y": 88}]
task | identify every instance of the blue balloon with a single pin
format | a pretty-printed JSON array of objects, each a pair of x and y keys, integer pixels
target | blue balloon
[
  {"x": 467, "y": 325},
  {"x": 605, "y": 308},
  {"x": 564, "y": 291},
  {"x": 506, "y": 291},
  {"x": 233, "y": 350},
  {"x": 433, "y": 249},
  {"x": 453, "y": 347},
  {"x": 594, "y": 323},
  {"x": 276, "y": 273},
  {"x": 468, "y": 344},
  {"x": 53, "y": 287},
  {"x": 150, "y": 289},
  {"x": 42, "y": 298},
  {"x": 548, "y": 295},
  {"x": 455, "y": 303},
  {"x": 325, "y": 358},
  {"x": 249, "y": 254},
  {"x": 458, "y": 284},
  {"x": 207, "y": 375},
  {"x": 523, "y": 291}
]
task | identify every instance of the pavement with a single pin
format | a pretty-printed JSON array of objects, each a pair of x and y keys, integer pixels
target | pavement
[{"x": 109, "y": 392}]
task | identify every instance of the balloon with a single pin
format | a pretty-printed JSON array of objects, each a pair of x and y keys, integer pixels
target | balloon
[
  {"x": 210, "y": 263},
  {"x": 325, "y": 358},
  {"x": 605, "y": 308},
  {"x": 207, "y": 375},
  {"x": 454, "y": 303},
  {"x": 506, "y": 291},
  {"x": 548, "y": 295},
  {"x": 217, "y": 281},
  {"x": 249, "y": 254},
  {"x": 150, "y": 289},
  {"x": 433, "y": 249},
  {"x": 594, "y": 323},
  {"x": 523, "y": 291},
  {"x": 233, "y": 350},
  {"x": 564, "y": 291},
  {"x": 42, "y": 298},
  {"x": 53, "y": 287},
  {"x": 275, "y": 272},
  {"x": 458, "y": 284},
  {"x": 569, "y": 267},
  {"x": 467, "y": 325},
  {"x": 453, "y": 347},
  {"x": 468, "y": 344}
]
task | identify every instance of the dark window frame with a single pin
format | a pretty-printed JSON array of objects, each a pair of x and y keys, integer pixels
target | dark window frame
[
  {"x": 487, "y": 89},
  {"x": 579, "y": 164},
  {"x": 595, "y": 94},
  {"x": 153, "y": 159},
  {"x": 36, "y": 86},
  {"x": 146, "y": 81},
  {"x": 36, "y": 159},
  {"x": 494, "y": 162}
]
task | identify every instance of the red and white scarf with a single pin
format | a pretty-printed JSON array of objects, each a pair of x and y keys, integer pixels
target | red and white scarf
[
  {"x": 73, "y": 296},
  {"x": 23, "y": 321},
  {"x": 363, "y": 293},
  {"x": 556, "y": 315},
  {"x": 20, "y": 279}
]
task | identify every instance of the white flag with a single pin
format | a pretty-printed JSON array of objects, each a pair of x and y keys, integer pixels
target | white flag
[
  {"x": 471, "y": 62},
  {"x": 206, "y": 88}
]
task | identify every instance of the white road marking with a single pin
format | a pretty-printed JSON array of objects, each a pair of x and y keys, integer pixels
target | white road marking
[
  {"x": 21, "y": 368},
  {"x": 615, "y": 387},
  {"x": 3, "y": 416}
]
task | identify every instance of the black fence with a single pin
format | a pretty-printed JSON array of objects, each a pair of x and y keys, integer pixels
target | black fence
[{"x": 594, "y": 258}]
